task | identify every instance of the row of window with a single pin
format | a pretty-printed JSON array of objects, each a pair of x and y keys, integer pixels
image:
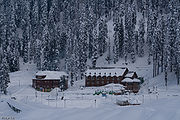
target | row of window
[
  {"x": 47, "y": 81},
  {"x": 100, "y": 82},
  {"x": 97, "y": 81},
  {"x": 47, "y": 86},
  {"x": 108, "y": 78}
]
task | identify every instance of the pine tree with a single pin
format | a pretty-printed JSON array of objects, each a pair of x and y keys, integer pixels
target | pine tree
[
  {"x": 72, "y": 81},
  {"x": 38, "y": 46},
  {"x": 94, "y": 49},
  {"x": 102, "y": 37},
  {"x": 172, "y": 24},
  {"x": 136, "y": 42},
  {"x": 43, "y": 15},
  {"x": 82, "y": 41},
  {"x": 178, "y": 53},
  {"x": 46, "y": 49},
  {"x": 125, "y": 47},
  {"x": 4, "y": 76},
  {"x": 129, "y": 29},
  {"x": 34, "y": 28},
  {"x": 141, "y": 38},
  {"x": 53, "y": 52},
  {"x": 62, "y": 44},
  {"x": 133, "y": 58},
  {"x": 26, "y": 33},
  {"x": 3, "y": 30},
  {"x": 25, "y": 44},
  {"x": 118, "y": 39},
  {"x": 13, "y": 56},
  {"x": 162, "y": 27}
]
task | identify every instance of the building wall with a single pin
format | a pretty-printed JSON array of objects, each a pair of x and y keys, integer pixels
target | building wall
[
  {"x": 134, "y": 87},
  {"x": 46, "y": 84},
  {"x": 101, "y": 81},
  {"x": 91, "y": 81}
]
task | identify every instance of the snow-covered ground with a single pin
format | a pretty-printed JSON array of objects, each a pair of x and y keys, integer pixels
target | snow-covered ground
[{"x": 81, "y": 104}]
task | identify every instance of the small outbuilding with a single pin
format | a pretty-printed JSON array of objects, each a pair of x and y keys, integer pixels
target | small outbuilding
[
  {"x": 47, "y": 80},
  {"x": 132, "y": 84},
  {"x": 131, "y": 74}
]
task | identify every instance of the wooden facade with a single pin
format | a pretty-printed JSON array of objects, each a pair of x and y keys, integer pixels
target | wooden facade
[
  {"x": 45, "y": 84},
  {"x": 104, "y": 78},
  {"x": 131, "y": 74},
  {"x": 101, "y": 81},
  {"x": 100, "y": 78},
  {"x": 48, "y": 81},
  {"x": 132, "y": 86}
]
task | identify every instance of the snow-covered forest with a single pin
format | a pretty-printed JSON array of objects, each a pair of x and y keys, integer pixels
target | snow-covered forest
[{"x": 68, "y": 33}]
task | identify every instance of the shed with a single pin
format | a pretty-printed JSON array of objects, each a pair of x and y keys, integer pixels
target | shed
[
  {"x": 132, "y": 84},
  {"x": 131, "y": 74}
]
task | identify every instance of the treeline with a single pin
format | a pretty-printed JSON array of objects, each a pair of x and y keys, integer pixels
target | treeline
[{"x": 47, "y": 31}]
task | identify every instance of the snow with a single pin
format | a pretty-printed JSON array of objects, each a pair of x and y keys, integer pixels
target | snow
[
  {"x": 106, "y": 72},
  {"x": 81, "y": 104},
  {"x": 51, "y": 74},
  {"x": 129, "y": 74},
  {"x": 113, "y": 87},
  {"x": 129, "y": 80}
]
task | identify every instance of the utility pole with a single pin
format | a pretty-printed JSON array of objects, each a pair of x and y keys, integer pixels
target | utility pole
[
  {"x": 56, "y": 97},
  {"x": 48, "y": 100},
  {"x": 64, "y": 103},
  {"x": 41, "y": 98},
  {"x": 95, "y": 103}
]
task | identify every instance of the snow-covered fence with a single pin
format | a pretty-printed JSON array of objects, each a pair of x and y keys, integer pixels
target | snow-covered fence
[{"x": 14, "y": 108}]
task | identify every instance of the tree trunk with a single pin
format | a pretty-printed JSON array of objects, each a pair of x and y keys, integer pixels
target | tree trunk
[
  {"x": 165, "y": 76},
  {"x": 162, "y": 63}
]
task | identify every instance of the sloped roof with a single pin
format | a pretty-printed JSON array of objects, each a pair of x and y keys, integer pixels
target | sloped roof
[
  {"x": 105, "y": 72},
  {"x": 130, "y": 74},
  {"x": 51, "y": 74},
  {"x": 113, "y": 87},
  {"x": 129, "y": 80}
]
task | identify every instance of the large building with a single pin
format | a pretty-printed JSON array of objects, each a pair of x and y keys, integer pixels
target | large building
[
  {"x": 47, "y": 80},
  {"x": 104, "y": 76}
]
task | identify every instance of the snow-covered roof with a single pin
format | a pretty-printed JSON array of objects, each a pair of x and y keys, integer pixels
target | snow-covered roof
[
  {"x": 105, "y": 72},
  {"x": 128, "y": 80},
  {"x": 114, "y": 87},
  {"x": 130, "y": 74},
  {"x": 51, "y": 74}
]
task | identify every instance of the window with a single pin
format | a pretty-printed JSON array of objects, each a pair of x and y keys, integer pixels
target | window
[
  {"x": 112, "y": 79},
  {"x": 93, "y": 78},
  {"x": 87, "y": 83},
  {"x": 92, "y": 83},
  {"x": 97, "y": 82},
  {"x": 102, "y": 81}
]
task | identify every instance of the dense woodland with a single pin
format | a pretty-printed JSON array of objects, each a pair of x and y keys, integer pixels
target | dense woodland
[{"x": 45, "y": 32}]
